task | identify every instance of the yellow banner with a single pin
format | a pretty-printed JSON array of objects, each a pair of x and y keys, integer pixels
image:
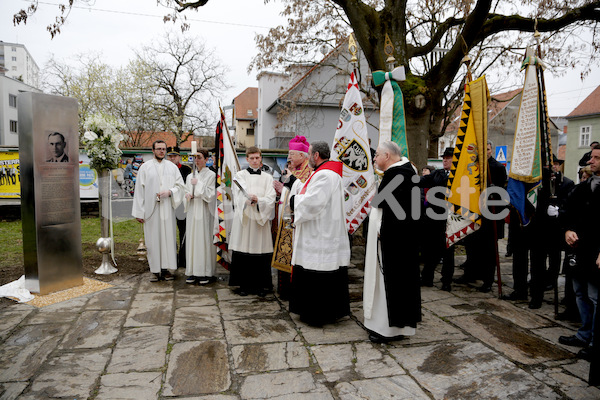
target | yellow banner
[{"x": 10, "y": 175}]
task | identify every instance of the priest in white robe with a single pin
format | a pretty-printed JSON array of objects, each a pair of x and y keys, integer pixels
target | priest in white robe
[
  {"x": 392, "y": 293},
  {"x": 251, "y": 239},
  {"x": 319, "y": 290},
  {"x": 199, "y": 203},
  {"x": 159, "y": 189}
]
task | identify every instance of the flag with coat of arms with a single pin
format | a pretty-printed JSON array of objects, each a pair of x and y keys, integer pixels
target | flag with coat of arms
[{"x": 351, "y": 147}]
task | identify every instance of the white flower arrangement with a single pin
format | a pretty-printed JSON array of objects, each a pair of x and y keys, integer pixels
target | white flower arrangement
[{"x": 101, "y": 140}]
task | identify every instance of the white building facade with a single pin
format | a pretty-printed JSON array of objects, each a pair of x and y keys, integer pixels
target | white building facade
[
  {"x": 9, "y": 91},
  {"x": 18, "y": 63}
]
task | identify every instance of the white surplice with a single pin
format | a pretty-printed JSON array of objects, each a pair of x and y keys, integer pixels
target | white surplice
[
  {"x": 159, "y": 216},
  {"x": 321, "y": 239},
  {"x": 201, "y": 253},
  {"x": 251, "y": 228}
]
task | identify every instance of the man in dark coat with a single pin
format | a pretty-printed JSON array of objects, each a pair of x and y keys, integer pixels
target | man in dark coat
[
  {"x": 435, "y": 228},
  {"x": 174, "y": 156},
  {"x": 396, "y": 293}
]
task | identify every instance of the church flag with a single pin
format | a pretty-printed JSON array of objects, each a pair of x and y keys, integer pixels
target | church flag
[
  {"x": 392, "y": 123},
  {"x": 227, "y": 165},
  {"x": 467, "y": 178},
  {"x": 351, "y": 147},
  {"x": 525, "y": 177}
]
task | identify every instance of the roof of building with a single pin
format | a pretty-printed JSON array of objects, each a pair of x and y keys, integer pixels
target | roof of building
[
  {"x": 589, "y": 106},
  {"x": 244, "y": 102}
]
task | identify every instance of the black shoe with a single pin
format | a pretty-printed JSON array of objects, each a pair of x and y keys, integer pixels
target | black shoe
[
  {"x": 485, "y": 288},
  {"x": 446, "y": 287},
  {"x": 585, "y": 354},
  {"x": 572, "y": 341},
  {"x": 568, "y": 316},
  {"x": 167, "y": 275},
  {"x": 535, "y": 304},
  {"x": 377, "y": 339},
  {"x": 463, "y": 280},
  {"x": 514, "y": 296},
  {"x": 154, "y": 278},
  {"x": 190, "y": 280},
  {"x": 549, "y": 287}
]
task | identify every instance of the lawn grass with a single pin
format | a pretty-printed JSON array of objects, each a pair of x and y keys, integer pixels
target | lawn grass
[{"x": 126, "y": 233}]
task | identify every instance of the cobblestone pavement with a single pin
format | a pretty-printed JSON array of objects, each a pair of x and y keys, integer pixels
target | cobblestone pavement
[{"x": 142, "y": 340}]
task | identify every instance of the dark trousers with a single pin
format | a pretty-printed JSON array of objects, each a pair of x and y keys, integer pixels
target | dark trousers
[
  {"x": 435, "y": 251},
  {"x": 181, "y": 252}
]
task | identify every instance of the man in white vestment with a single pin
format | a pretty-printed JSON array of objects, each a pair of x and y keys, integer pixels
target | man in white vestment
[
  {"x": 392, "y": 293},
  {"x": 319, "y": 291},
  {"x": 251, "y": 239},
  {"x": 201, "y": 253},
  {"x": 159, "y": 189}
]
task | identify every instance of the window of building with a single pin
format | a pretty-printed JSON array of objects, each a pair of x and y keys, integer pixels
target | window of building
[
  {"x": 584, "y": 136},
  {"x": 249, "y": 112},
  {"x": 12, "y": 100},
  {"x": 14, "y": 58},
  {"x": 250, "y": 132},
  {"x": 13, "y": 126},
  {"x": 14, "y": 68},
  {"x": 13, "y": 49}
]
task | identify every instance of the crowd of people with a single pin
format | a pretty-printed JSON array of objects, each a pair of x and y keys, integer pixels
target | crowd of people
[{"x": 310, "y": 190}]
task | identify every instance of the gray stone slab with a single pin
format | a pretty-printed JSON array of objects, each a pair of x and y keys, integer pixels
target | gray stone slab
[
  {"x": 22, "y": 354},
  {"x": 331, "y": 333},
  {"x": 269, "y": 357},
  {"x": 451, "y": 306},
  {"x": 431, "y": 329},
  {"x": 511, "y": 340},
  {"x": 579, "y": 368},
  {"x": 197, "y": 324},
  {"x": 75, "y": 304},
  {"x": 94, "y": 329},
  {"x": 468, "y": 370},
  {"x": 336, "y": 361},
  {"x": 250, "y": 307},
  {"x": 372, "y": 363},
  {"x": 259, "y": 331},
  {"x": 11, "y": 390},
  {"x": 432, "y": 294},
  {"x": 140, "y": 349},
  {"x": 226, "y": 294},
  {"x": 10, "y": 319},
  {"x": 508, "y": 311},
  {"x": 72, "y": 375},
  {"x": 131, "y": 386},
  {"x": 211, "y": 397},
  {"x": 111, "y": 299},
  {"x": 394, "y": 387},
  {"x": 155, "y": 287},
  {"x": 553, "y": 333},
  {"x": 197, "y": 368},
  {"x": 150, "y": 309},
  {"x": 195, "y": 297},
  {"x": 273, "y": 385},
  {"x": 52, "y": 317}
]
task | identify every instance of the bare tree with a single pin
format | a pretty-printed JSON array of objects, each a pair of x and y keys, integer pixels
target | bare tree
[{"x": 187, "y": 77}]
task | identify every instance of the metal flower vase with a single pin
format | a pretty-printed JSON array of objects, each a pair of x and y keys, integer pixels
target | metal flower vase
[{"x": 104, "y": 242}]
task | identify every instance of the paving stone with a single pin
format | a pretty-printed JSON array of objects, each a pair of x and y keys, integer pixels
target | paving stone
[
  {"x": 76, "y": 372},
  {"x": 250, "y": 307},
  {"x": 451, "y": 306},
  {"x": 155, "y": 287},
  {"x": 131, "y": 386},
  {"x": 432, "y": 294},
  {"x": 72, "y": 305},
  {"x": 259, "y": 331},
  {"x": 579, "y": 368},
  {"x": 508, "y": 311},
  {"x": 211, "y": 397},
  {"x": 195, "y": 297},
  {"x": 467, "y": 370},
  {"x": 336, "y": 361},
  {"x": 10, "y": 319},
  {"x": 269, "y": 357},
  {"x": 22, "y": 354},
  {"x": 226, "y": 294},
  {"x": 52, "y": 317},
  {"x": 395, "y": 387},
  {"x": 140, "y": 349},
  {"x": 198, "y": 324},
  {"x": 150, "y": 309},
  {"x": 94, "y": 329},
  {"x": 372, "y": 363},
  {"x": 11, "y": 390},
  {"x": 582, "y": 393},
  {"x": 431, "y": 329},
  {"x": 114, "y": 299},
  {"x": 197, "y": 368},
  {"x": 273, "y": 385},
  {"x": 331, "y": 333},
  {"x": 507, "y": 338}
]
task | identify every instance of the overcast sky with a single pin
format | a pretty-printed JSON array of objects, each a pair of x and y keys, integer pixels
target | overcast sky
[{"x": 116, "y": 27}]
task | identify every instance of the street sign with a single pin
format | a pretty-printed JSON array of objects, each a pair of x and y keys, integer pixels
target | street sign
[{"x": 501, "y": 154}]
